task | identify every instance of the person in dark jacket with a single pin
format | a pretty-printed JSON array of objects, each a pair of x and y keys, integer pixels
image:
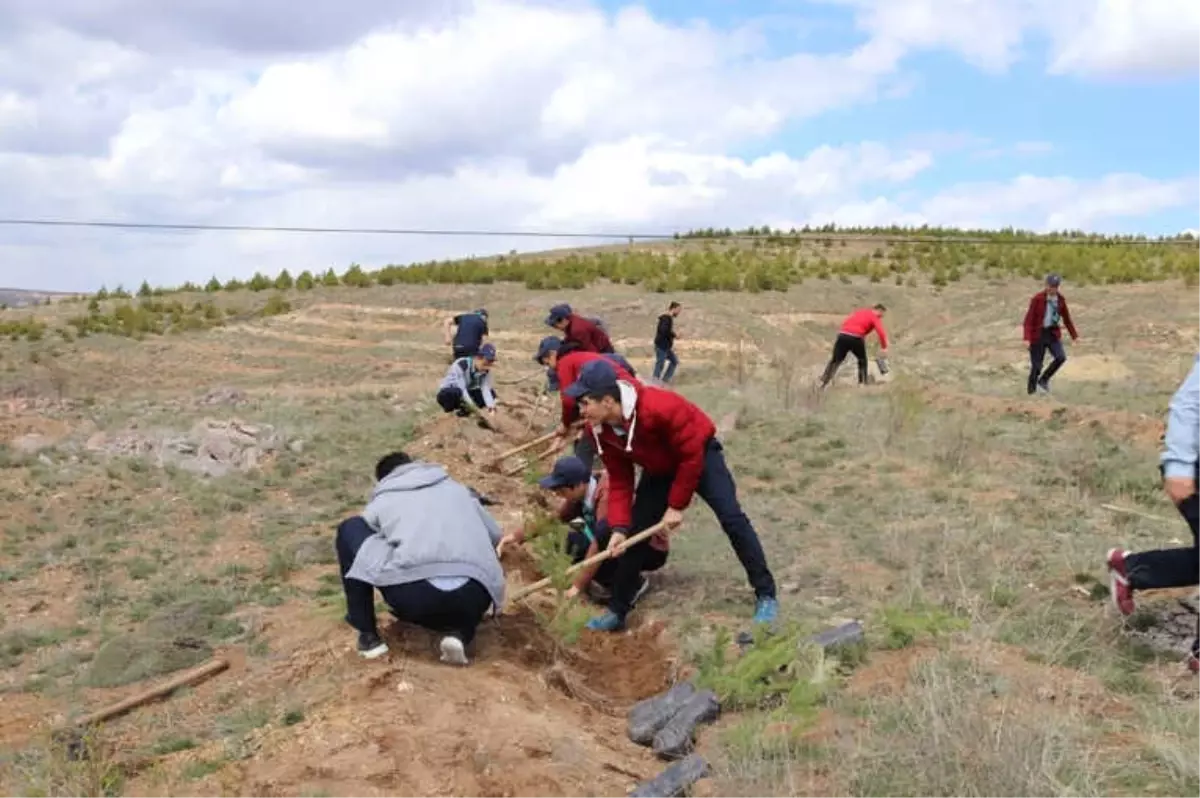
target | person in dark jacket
[
  {"x": 429, "y": 547},
  {"x": 675, "y": 443},
  {"x": 565, "y": 359},
  {"x": 575, "y": 328},
  {"x": 583, "y": 506},
  {"x": 1047, "y": 309},
  {"x": 664, "y": 343},
  {"x": 472, "y": 329},
  {"x": 1180, "y": 468}
]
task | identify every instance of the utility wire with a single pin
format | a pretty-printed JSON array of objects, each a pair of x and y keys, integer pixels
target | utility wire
[{"x": 811, "y": 234}]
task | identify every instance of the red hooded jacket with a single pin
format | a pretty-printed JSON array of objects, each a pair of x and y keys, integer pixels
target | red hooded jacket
[
  {"x": 664, "y": 434},
  {"x": 1037, "y": 314},
  {"x": 585, "y": 333},
  {"x": 568, "y": 367}
]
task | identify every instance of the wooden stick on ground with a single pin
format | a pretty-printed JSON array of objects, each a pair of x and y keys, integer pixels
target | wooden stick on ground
[
  {"x": 520, "y": 380},
  {"x": 521, "y": 465},
  {"x": 196, "y": 674},
  {"x": 541, "y": 584},
  {"x": 523, "y": 447},
  {"x": 1128, "y": 511}
]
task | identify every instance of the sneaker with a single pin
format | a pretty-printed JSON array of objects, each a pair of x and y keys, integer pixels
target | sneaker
[
  {"x": 1043, "y": 388},
  {"x": 766, "y": 610},
  {"x": 371, "y": 646},
  {"x": 1118, "y": 581},
  {"x": 608, "y": 622},
  {"x": 1193, "y": 663},
  {"x": 453, "y": 651}
]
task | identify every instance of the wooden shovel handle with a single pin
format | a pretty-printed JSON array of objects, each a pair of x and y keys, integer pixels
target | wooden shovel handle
[{"x": 590, "y": 561}]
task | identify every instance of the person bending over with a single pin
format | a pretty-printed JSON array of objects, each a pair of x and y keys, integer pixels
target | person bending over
[
  {"x": 472, "y": 328},
  {"x": 429, "y": 547},
  {"x": 586, "y": 333},
  {"x": 852, "y": 340},
  {"x": 675, "y": 443},
  {"x": 584, "y": 507}
]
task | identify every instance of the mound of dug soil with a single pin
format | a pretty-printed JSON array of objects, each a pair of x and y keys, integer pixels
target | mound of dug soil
[{"x": 212, "y": 447}]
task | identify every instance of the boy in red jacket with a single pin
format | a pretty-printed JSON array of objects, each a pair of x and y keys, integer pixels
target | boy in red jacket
[
  {"x": 566, "y": 359},
  {"x": 575, "y": 328},
  {"x": 1042, "y": 333},
  {"x": 675, "y": 443},
  {"x": 852, "y": 340}
]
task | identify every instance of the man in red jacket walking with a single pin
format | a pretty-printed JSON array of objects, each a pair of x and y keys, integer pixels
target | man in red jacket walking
[
  {"x": 675, "y": 443},
  {"x": 1042, "y": 333},
  {"x": 852, "y": 340},
  {"x": 575, "y": 328}
]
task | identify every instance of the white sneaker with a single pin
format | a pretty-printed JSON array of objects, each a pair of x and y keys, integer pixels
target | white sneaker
[{"x": 453, "y": 652}]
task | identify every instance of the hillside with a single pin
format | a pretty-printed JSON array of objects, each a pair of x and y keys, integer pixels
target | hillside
[{"x": 175, "y": 465}]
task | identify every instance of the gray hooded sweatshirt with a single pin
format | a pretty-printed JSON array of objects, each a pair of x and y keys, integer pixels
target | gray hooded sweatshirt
[{"x": 428, "y": 526}]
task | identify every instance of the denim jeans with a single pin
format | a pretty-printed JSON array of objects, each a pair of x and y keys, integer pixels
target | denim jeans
[{"x": 662, "y": 356}]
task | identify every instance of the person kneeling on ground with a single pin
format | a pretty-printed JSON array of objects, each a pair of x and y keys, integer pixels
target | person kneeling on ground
[
  {"x": 675, "y": 443},
  {"x": 584, "y": 506},
  {"x": 1180, "y": 467},
  {"x": 469, "y": 378},
  {"x": 429, "y": 547}
]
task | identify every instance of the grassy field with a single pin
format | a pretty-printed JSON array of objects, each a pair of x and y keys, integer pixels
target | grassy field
[{"x": 174, "y": 497}]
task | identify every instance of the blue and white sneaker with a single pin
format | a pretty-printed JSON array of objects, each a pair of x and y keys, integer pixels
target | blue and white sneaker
[
  {"x": 608, "y": 622},
  {"x": 766, "y": 610}
]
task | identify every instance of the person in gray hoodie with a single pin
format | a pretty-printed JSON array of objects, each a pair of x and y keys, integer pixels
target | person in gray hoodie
[
  {"x": 469, "y": 379},
  {"x": 427, "y": 544}
]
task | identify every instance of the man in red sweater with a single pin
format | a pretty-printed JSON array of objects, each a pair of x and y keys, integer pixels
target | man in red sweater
[
  {"x": 575, "y": 328},
  {"x": 1047, "y": 309},
  {"x": 566, "y": 358},
  {"x": 852, "y": 340},
  {"x": 675, "y": 443}
]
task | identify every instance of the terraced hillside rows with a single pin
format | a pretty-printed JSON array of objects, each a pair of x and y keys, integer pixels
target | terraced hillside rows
[{"x": 174, "y": 497}]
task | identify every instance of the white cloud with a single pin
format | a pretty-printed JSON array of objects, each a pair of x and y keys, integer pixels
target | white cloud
[
  {"x": 495, "y": 114},
  {"x": 1090, "y": 38}
]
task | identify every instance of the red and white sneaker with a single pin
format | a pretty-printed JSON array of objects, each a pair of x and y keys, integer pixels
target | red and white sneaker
[
  {"x": 1193, "y": 663},
  {"x": 1118, "y": 581}
]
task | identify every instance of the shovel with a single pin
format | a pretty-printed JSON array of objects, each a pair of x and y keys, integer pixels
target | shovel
[{"x": 542, "y": 584}]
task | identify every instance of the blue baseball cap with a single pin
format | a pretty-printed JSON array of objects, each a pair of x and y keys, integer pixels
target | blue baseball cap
[
  {"x": 567, "y": 471},
  {"x": 596, "y": 376},
  {"x": 481, "y": 312},
  {"x": 557, "y": 314},
  {"x": 1053, "y": 280},
  {"x": 549, "y": 344},
  {"x": 488, "y": 352}
]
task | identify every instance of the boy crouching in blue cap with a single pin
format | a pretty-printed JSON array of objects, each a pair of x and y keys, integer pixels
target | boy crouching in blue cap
[
  {"x": 584, "y": 507},
  {"x": 469, "y": 379}
]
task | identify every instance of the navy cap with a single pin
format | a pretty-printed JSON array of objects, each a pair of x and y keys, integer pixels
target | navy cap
[
  {"x": 488, "y": 352},
  {"x": 596, "y": 376},
  {"x": 482, "y": 312},
  {"x": 568, "y": 471},
  {"x": 549, "y": 344},
  {"x": 558, "y": 313},
  {"x": 1054, "y": 280}
]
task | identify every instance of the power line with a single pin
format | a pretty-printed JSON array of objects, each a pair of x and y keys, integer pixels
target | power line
[
  {"x": 366, "y": 231},
  {"x": 810, "y": 235}
]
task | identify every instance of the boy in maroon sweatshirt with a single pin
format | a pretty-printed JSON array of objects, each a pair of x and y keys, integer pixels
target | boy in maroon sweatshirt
[
  {"x": 1047, "y": 309},
  {"x": 578, "y": 330}
]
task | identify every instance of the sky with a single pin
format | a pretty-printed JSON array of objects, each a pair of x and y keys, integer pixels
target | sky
[{"x": 576, "y": 116}]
